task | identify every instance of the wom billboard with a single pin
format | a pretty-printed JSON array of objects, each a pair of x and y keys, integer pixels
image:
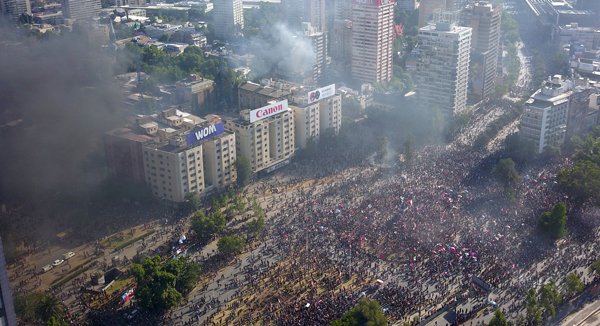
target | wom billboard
[
  {"x": 321, "y": 93},
  {"x": 269, "y": 110},
  {"x": 202, "y": 133}
]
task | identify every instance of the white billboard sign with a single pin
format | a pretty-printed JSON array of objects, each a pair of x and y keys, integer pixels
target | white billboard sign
[
  {"x": 269, "y": 110},
  {"x": 321, "y": 93}
]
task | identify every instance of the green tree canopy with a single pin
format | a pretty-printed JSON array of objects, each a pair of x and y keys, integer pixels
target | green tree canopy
[
  {"x": 499, "y": 319},
  {"x": 506, "y": 173},
  {"x": 206, "y": 227},
  {"x": 573, "y": 284},
  {"x": 156, "y": 291},
  {"x": 549, "y": 298},
  {"x": 230, "y": 245},
  {"x": 554, "y": 223},
  {"x": 366, "y": 312}
]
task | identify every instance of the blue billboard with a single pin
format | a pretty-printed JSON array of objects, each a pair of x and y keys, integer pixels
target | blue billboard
[{"x": 202, "y": 133}]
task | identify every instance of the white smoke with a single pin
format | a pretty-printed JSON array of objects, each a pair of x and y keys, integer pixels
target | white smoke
[{"x": 283, "y": 52}]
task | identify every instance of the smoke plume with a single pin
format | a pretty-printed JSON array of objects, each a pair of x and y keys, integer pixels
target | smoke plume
[
  {"x": 57, "y": 98},
  {"x": 282, "y": 51}
]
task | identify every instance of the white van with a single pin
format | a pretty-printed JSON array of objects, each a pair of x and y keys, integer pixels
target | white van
[{"x": 68, "y": 255}]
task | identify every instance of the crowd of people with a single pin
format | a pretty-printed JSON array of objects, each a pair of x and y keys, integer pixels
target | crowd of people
[{"x": 412, "y": 239}]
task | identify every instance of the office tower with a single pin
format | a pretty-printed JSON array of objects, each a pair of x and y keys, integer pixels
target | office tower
[
  {"x": 407, "y": 5},
  {"x": 427, "y": 8},
  {"x": 372, "y": 40},
  {"x": 318, "y": 40},
  {"x": 544, "y": 120},
  {"x": 442, "y": 65},
  {"x": 484, "y": 19},
  {"x": 7, "y": 308},
  {"x": 340, "y": 45},
  {"x": 228, "y": 17},
  {"x": 265, "y": 136},
  {"x": 14, "y": 8},
  {"x": 80, "y": 9},
  {"x": 342, "y": 9},
  {"x": 311, "y": 11}
]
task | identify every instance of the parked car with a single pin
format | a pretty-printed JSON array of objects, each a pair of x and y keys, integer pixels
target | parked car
[
  {"x": 68, "y": 255},
  {"x": 57, "y": 262},
  {"x": 47, "y": 268}
]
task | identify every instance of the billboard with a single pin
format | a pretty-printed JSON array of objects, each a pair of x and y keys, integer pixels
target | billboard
[
  {"x": 321, "y": 93},
  {"x": 269, "y": 110},
  {"x": 203, "y": 133}
]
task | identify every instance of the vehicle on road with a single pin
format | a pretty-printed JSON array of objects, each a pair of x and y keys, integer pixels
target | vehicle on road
[
  {"x": 68, "y": 255},
  {"x": 57, "y": 262},
  {"x": 47, "y": 268}
]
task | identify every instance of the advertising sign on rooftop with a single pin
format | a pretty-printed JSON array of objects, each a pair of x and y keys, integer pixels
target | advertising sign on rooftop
[
  {"x": 269, "y": 110},
  {"x": 321, "y": 93},
  {"x": 203, "y": 133}
]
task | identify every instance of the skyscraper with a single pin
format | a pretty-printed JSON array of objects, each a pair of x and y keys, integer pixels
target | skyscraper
[
  {"x": 408, "y": 5},
  {"x": 312, "y": 11},
  {"x": 442, "y": 65},
  {"x": 484, "y": 19},
  {"x": 81, "y": 9},
  {"x": 372, "y": 40},
  {"x": 228, "y": 18},
  {"x": 7, "y": 309},
  {"x": 427, "y": 8},
  {"x": 319, "y": 44},
  {"x": 14, "y": 8}
]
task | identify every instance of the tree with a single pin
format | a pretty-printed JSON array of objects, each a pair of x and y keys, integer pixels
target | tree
[
  {"x": 49, "y": 306},
  {"x": 573, "y": 284},
  {"x": 230, "y": 245},
  {"x": 554, "y": 223},
  {"x": 36, "y": 308},
  {"x": 366, "y": 312},
  {"x": 206, "y": 227},
  {"x": 533, "y": 311},
  {"x": 499, "y": 319},
  {"x": 256, "y": 226},
  {"x": 156, "y": 291},
  {"x": 595, "y": 267},
  {"x": 549, "y": 298},
  {"x": 244, "y": 171},
  {"x": 582, "y": 181},
  {"x": 186, "y": 272},
  {"x": 507, "y": 175},
  {"x": 192, "y": 202}
]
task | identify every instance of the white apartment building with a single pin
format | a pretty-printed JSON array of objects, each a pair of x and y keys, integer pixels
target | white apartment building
[
  {"x": 307, "y": 124},
  {"x": 484, "y": 18},
  {"x": 544, "y": 121},
  {"x": 372, "y": 40},
  {"x": 219, "y": 161},
  {"x": 187, "y": 155},
  {"x": 228, "y": 18},
  {"x": 81, "y": 9},
  {"x": 442, "y": 66},
  {"x": 265, "y": 136},
  {"x": 315, "y": 112}
]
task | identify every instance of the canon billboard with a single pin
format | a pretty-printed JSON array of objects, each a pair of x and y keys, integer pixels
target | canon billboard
[
  {"x": 203, "y": 133},
  {"x": 321, "y": 93},
  {"x": 269, "y": 110}
]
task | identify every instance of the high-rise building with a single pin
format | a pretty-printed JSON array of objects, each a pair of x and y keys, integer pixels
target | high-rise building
[
  {"x": 315, "y": 112},
  {"x": 484, "y": 19},
  {"x": 427, "y": 8},
  {"x": 80, "y": 9},
  {"x": 265, "y": 136},
  {"x": 318, "y": 40},
  {"x": 14, "y": 8},
  {"x": 7, "y": 308},
  {"x": 342, "y": 9},
  {"x": 544, "y": 120},
  {"x": 311, "y": 11},
  {"x": 442, "y": 65},
  {"x": 228, "y": 17},
  {"x": 407, "y": 5},
  {"x": 124, "y": 154},
  {"x": 372, "y": 40},
  {"x": 180, "y": 153},
  {"x": 340, "y": 45}
]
